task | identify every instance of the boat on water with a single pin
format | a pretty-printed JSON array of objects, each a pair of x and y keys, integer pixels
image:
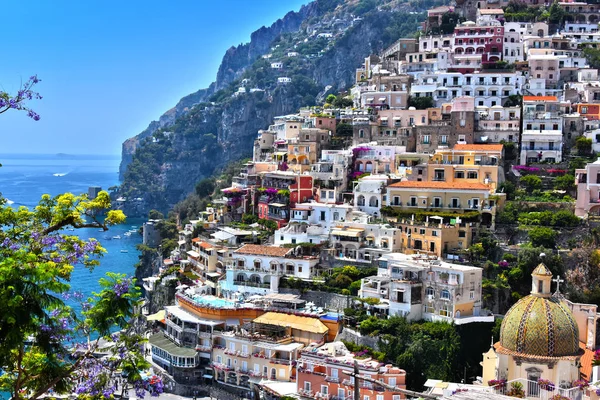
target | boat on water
[
  {"x": 127, "y": 233},
  {"x": 116, "y": 237},
  {"x": 124, "y": 251}
]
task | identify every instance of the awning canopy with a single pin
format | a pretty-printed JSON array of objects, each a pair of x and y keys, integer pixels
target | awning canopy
[
  {"x": 193, "y": 254},
  {"x": 382, "y": 99},
  {"x": 292, "y": 321},
  {"x": 280, "y": 153},
  {"x": 349, "y": 233},
  {"x": 159, "y": 316}
]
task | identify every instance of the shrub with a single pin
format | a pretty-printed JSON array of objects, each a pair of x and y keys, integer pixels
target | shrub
[
  {"x": 542, "y": 236},
  {"x": 531, "y": 182}
]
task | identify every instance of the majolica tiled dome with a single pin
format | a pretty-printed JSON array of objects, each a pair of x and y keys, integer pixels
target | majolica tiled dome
[{"x": 540, "y": 326}]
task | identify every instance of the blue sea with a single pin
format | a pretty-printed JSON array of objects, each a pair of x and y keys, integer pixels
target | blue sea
[{"x": 24, "y": 178}]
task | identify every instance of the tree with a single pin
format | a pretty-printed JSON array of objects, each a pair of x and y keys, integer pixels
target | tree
[
  {"x": 542, "y": 236},
  {"x": 205, "y": 187},
  {"x": 330, "y": 98},
  {"x": 420, "y": 103},
  {"x": 565, "y": 182},
  {"x": 556, "y": 13},
  {"x": 36, "y": 261},
  {"x": 344, "y": 129},
  {"x": 583, "y": 145},
  {"x": 343, "y": 102},
  {"x": 509, "y": 188},
  {"x": 155, "y": 214},
  {"x": 19, "y": 101},
  {"x": 531, "y": 182}
]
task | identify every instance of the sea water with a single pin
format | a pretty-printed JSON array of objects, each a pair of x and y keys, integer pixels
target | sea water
[{"x": 24, "y": 178}]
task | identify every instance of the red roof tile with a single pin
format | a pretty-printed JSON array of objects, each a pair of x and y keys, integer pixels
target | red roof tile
[
  {"x": 540, "y": 98},
  {"x": 255, "y": 249}
]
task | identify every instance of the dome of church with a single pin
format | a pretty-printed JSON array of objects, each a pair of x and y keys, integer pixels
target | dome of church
[{"x": 539, "y": 324}]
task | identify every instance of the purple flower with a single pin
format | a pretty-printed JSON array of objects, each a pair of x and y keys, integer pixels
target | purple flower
[{"x": 122, "y": 287}]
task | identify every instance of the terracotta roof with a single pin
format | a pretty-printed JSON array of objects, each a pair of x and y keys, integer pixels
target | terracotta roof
[
  {"x": 540, "y": 98},
  {"x": 440, "y": 185},
  {"x": 586, "y": 362},
  {"x": 479, "y": 147},
  {"x": 195, "y": 240},
  {"x": 205, "y": 245},
  {"x": 259, "y": 250}
]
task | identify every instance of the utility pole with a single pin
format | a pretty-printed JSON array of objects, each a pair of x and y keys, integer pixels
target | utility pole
[{"x": 356, "y": 382}]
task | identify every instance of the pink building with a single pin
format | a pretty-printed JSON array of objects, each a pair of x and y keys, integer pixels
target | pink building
[
  {"x": 588, "y": 190},
  {"x": 470, "y": 38},
  {"x": 321, "y": 374}
]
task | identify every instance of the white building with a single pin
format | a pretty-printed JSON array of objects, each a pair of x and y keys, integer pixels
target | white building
[
  {"x": 369, "y": 192},
  {"x": 541, "y": 139},
  {"x": 420, "y": 288},
  {"x": 256, "y": 269}
]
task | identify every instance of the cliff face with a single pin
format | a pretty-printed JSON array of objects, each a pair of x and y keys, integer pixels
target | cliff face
[
  {"x": 214, "y": 126},
  {"x": 236, "y": 59},
  {"x": 234, "y": 62}
]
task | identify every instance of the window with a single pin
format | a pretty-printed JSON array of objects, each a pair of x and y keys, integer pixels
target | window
[
  {"x": 257, "y": 369},
  {"x": 366, "y": 397},
  {"x": 429, "y": 291},
  {"x": 334, "y": 372},
  {"x": 306, "y": 386},
  {"x": 392, "y": 382},
  {"x": 379, "y": 397},
  {"x": 324, "y": 389},
  {"x": 396, "y": 397},
  {"x": 445, "y": 295},
  {"x": 299, "y": 268},
  {"x": 425, "y": 139},
  {"x": 462, "y": 234},
  {"x": 244, "y": 365},
  {"x": 245, "y": 348},
  {"x": 461, "y": 138},
  {"x": 471, "y": 295},
  {"x": 443, "y": 139},
  {"x": 220, "y": 359},
  {"x": 322, "y": 216},
  {"x": 472, "y": 175},
  {"x": 459, "y": 174},
  {"x": 232, "y": 346}
]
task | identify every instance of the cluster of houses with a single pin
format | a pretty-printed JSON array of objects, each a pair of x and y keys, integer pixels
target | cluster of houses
[{"x": 404, "y": 181}]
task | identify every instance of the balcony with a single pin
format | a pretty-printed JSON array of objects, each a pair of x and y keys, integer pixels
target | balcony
[
  {"x": 252, "y": 284},
  {"x": 543, "y": 148},
  {"x": 282, "y": 361}
]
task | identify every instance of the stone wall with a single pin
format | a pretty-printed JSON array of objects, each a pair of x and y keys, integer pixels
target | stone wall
[
  {"x": 350, "y": 335},
  {"x": 331, "y": 301}
]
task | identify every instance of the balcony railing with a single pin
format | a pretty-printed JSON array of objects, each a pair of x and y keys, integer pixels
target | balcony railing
[{"x": 252, "y": 284}]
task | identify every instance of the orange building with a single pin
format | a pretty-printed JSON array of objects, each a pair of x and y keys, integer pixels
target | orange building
[
  {"x": 321, "y": 374},
  {"x": 589, "y": 111}
]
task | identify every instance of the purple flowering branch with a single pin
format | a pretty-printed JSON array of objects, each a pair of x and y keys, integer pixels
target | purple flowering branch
[{"x": 18, "y": 101}]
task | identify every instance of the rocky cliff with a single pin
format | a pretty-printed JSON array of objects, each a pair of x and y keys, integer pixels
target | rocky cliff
[{"x": 213, "y": 126}]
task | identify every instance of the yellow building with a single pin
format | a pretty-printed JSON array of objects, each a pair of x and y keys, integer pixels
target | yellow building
[
  {"x": 433, "y": 237},
  {"x": 268, "y": 350},
  {"x": 468, "y": 163}
]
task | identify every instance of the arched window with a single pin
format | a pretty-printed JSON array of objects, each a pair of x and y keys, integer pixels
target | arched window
[
  {"x": 445, "y": 294},
  {"x": 429, "y": 291},
  {"x": 373, "y": 202},
  {"x": 360, "y": 201}
]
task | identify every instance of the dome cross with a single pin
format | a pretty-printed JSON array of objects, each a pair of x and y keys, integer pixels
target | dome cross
[{"x": 558, "y": 282}]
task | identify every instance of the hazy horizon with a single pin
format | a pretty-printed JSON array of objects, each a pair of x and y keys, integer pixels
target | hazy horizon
[{"x": 109, "y": 68}]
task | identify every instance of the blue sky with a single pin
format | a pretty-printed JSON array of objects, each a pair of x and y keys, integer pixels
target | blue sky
[{"x": 110, "y": 67}]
